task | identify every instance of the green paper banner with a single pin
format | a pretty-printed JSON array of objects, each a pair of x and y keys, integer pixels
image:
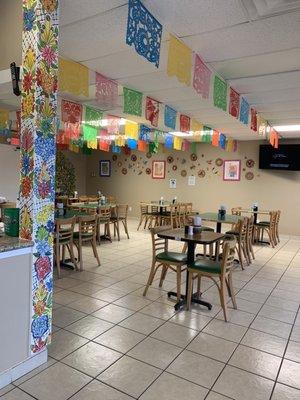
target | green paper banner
[
  {"x": 86, "y": 150},
  {"x": 220, "y": 93},
  {"x": 193, "y": 147},
  {"x": 132, "y": 102},
  {"x": 93, "y": 116},
  {"x": 153, "y": 147},
  {"x": 89, "y": 132}
]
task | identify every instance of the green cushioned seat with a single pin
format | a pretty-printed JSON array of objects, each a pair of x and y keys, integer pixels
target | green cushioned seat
[
  {"x": 171, "y": 256},
  {"x": 84, "y": 235},
  {"x": 206, "y": 266},
  {"x": 207, "y": 229},
  {"x": 232, "y": 233},
  {"x": 265, "y": 223}
]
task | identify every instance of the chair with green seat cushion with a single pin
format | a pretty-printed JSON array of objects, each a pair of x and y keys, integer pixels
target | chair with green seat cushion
[
  {"x": 267, "y": 226},
  {"x": 220, "y": 272},
  {"x": 165, "y": 259},
  {"x": 63, "y": 238}
]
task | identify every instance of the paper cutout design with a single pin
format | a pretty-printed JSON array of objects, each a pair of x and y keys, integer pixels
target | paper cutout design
[
  {"x": 106, "y": 91},
  {"x": 235, "y": 145},
  {"x": 152, "y": 111},
  {"x": 234, "y": 103},
  {"x": 185, "y": 123},
  {"x": 132, "y": 130},
  {"x": 229, "y": 144},
  {"x": 244, "y": 111},
  {"x": 113, "y": 125},
  {"x": 93, "y": 116},
  {"x": 177, "y": 143},
  {"x": 4, "y": 118},
  {"x": 73, "y": 77},
  {"x": 132, "y": 102},
  {"x": 169, "y": 141},
  {"x": 144, "y": 133},
  {"x": 116, "y": 149},
  {"x": 215, "y": 138},
  {"x": 92, "y": 144},
  {"x": 262, "y": 125},
  {"x": 120, "y": 141},
  {"x": 274, "y": 138},
  {"x": 179, "y": 61},
  {"x": 220, "y": 93},
  {"x": 71, "y": 112},
  {"x": 143, "y": 32},
  {"x": 153, "y": 147},
  {"x": 89, "y": 133},
  {"x": 222, "y": 141},
  {"x": 132, "y": 144},
  {"x": 185, "y": 145},
  {"x": 170, "y": 117},
  {"x": 196, "y": 126},
  {"x": 104, "y": 145},
  {"x": 72, "y": 131},
  {"x": 142, "y": 145},
  {"x": 253, "y": 119},
  {"x": 206, "y": 135},
  {"x": 201, "y": 80}
]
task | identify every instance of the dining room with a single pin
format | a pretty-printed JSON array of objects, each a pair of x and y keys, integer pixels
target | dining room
[{"x": 149, "y": 187}]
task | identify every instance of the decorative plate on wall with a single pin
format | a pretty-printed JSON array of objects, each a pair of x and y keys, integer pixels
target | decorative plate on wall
[
  {"x": 133, "y": 157},
  {"x": 250, "y": 163},
  {"x": 249, "y": 176},
  {"x": 193, "y": 157},
  {"x": 201, "y": 173},
  {"x": 183, "y": 173},
  {"x": 119, "y": 164},
  {"x": 148, "y": 171},
  {"x": 170, "y": 159},
  {"x": 114, "y": 157},
  {"x": 148, "y": 155},
  {"x": 174, "y": 167},
  {"x": 124, "y": 171},
  {"x": 219, "y": 162}
]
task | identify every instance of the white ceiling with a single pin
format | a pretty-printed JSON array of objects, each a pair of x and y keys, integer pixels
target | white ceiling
[{"x": 253, "y": 44}]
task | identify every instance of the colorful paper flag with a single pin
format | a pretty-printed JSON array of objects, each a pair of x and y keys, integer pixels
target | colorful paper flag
[
  {"x": 73, "y": 77},
  {"x": 244, "y": 111},
  {"x": 261, "y": 125},
  {"x": 234, "y": 103},
  {"x": 170, "y": 117},
  {"x": 15, "y": 141},
  {"x": 179, "y": 60},
  {"x": 142, "y": 146},
  {"x": 153, "y": 147},
  {"x": 274, "y": 138},
  {"x": 253, "y": 119},
  {"x": 73, "y": 148},
  {"x": 86, "y": 150},
  {"x": 4, "y": 118},
  {"x": 120, "y": 141},
  {"x": 113, "y": 124},
  {"x": 104, "y": 145},
  {"x": 222, "y": 141},
  {"x": 177, "y": 143},
  {"x": 201, "y": 80},
  {"x": 143, "y": 32},
  {"x": 144, "y": 133},
  {"x": 215, "y": 138},
  {"x": 89, "y": 133},
  {"x": 72, "y": 131},
  {"x": 132, "y": 130},
  {"x": 185, "y": 123},
  {"x": 220, "y": 93},
  {"x": 169, "y": 141},
  {"x": 229, "y": 144},
  {"x": 93, "y": 116},
  {"x": 206, "y": 135},
  {"x": 132, "y": 102},
  {"x": 196, "y": 127},
  {"x": 106, "y": 91},
  {"x": 185, "y": 145},
  {"x": 132, "y": 144},
  {"x": 92, "y": 144},
  {"x": 116, "y": 149},
  {"x": 71, "y": 112},
  {"x": 152, "y": 111}
]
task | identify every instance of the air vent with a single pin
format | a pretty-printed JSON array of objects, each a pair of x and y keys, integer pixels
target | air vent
[{"x": 266, "y": 8}]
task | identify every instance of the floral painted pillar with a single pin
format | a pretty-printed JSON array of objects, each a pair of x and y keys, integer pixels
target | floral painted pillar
[{"x": 37, "y": 155}]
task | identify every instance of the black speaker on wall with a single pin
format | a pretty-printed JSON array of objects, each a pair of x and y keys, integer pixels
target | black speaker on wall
[{"x": 15, "y": 78}]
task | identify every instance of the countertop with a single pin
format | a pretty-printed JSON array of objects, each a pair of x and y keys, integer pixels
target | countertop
[{"x": 8, "y": 243}]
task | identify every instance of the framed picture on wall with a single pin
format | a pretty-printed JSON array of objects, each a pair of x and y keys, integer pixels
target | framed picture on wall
[
  {"x": 104, "y": 168},
  {"x": 232, "y": 170},
  {"x": 158, "y": 169}
]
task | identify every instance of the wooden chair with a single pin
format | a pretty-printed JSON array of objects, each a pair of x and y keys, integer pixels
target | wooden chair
[
  {"x": 92, "y": 199},
  {"x": 164, "y": 259},
  {"x": 277, "y": 226},
  {"x": 182, "y": 214},
  {"x": 120, "y": 215},
  {"x": 83, "y": 199},
  {"x": 155, "y": 217},
  {"x": 249, "y": 242},
  {"x": 63, "y": 238},
  {"x": 269, "y": 227},
  {"x": 220, "y": 272},
  {"x": 172, "y": 217},
  {"x": 240, "y": 232},
  {"x": 87, "y": 231},
  {"x": 188, "y": 212},
  {"x": 111, "y": 199},
  {"x": 144, "y": 215},
  {"x": 104, "y": 216}
]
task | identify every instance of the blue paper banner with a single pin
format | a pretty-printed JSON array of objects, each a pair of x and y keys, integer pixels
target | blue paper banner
[
  {"x": 116, "y": 149},
  {"x": 144, "y": 133},
  {"x": 170, "y": 117},
  {"x": 244, "y": 111},
  {"x": 222, "y": 141},
  {"x": 169, "y": 141},
  {"x": 132, "y": 144},
  {"x": 143, "y": 31}
]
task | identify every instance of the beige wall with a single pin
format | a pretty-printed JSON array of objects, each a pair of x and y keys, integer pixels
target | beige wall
[
  {"x": 271, "y": 189},
  {"x": 10, "y": 32}
]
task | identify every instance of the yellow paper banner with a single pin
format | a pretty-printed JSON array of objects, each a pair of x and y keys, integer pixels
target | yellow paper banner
[
  {"x": 73, "y": 148},
  {"x": 92, "y": 144},
  {"x": 229, "y": 145},
  {"x": 261, "y": 125},
  {"x": 196, "y": 126},
  {"x": 177, "y": 143},
  {"x": 4, "y": 117},
  {"x": 132, "y": 130},
  {"x": 120, "y": 141},
  {"x": 73, "y": 77},
  {"x": 179, "y": 60}
]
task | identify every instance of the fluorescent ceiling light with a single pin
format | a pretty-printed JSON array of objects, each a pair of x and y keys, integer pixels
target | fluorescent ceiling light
[
  {"x": 287, "y": 128},
  {"x": 181, "y": 134}
]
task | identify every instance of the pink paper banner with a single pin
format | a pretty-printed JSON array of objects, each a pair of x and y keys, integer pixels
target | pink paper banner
[
  {"x": 201, "y": 80},
  {"x": 185, "y": 123},
  {"x": 113, "y": 124},
  {"x": 71, "y": 112},
  {"x": 253, "y": 120},
  {"x": 106, "y": 91},
  {"x": 234, "y": 103},
  {"x": 152, "y": 111}
]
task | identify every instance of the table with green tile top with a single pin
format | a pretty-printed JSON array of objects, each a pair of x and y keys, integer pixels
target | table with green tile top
[{"x": 214, "y": 217}]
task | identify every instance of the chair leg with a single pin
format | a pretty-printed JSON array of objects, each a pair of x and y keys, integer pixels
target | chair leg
[
  {"x": 222, "y": 298},
  {"x": 163, "y": 275},
  {"x": 80, "y": 255},
  {"x": 239, "y": 250},
  {"x": 199, "y": 287},
  {"x": 178, "y": 273},
  {"x": 232, "y": 294},
  {"x": 57, "y": 256},
  {"x": 150, "y": 278},
  {"x": 94, "y": 245},
  {"x": 71, "y": 251},
  {"x": 118, "y": 229},
  {"x": 190, "y": 291},
  {"x": 125, "y": 227},
  {"x": 140, "y": 223}
]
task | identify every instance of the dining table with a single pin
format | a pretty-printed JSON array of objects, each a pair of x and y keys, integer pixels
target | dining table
[
  {"x": 214, "y": 217},
  {"x": 255, "y": 213},
  {"x": 201, "y": 237}
]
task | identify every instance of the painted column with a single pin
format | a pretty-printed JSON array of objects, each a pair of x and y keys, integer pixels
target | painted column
[{"x": 37, "y": 155}]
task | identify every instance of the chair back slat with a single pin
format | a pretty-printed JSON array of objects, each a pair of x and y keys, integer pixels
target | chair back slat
[
  {"x": 87, "y": 226},
  {"x": 228, "y": 254},
  {"x": 64, "y": 229}
]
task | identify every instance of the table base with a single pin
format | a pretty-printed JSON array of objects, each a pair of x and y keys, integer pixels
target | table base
[{"x": 195, "y": 299}]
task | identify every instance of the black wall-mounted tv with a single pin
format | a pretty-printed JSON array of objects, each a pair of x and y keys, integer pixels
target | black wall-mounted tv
[{"x": 286, "y": 157}]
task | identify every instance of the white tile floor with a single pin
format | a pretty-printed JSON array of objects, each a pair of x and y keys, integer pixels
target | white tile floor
[{"x": 111, "y": 343}]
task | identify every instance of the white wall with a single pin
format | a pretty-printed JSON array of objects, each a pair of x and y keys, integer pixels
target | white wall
[{"x": 9, "y": 172}]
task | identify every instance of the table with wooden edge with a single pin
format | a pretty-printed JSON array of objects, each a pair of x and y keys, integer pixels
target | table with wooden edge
[
  {"x": 214, "y": 217},
  {"x": 206, "y": 238}
]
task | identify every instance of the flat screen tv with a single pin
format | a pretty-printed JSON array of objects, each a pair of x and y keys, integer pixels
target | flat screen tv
[{"x": 286, "y": 157}]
